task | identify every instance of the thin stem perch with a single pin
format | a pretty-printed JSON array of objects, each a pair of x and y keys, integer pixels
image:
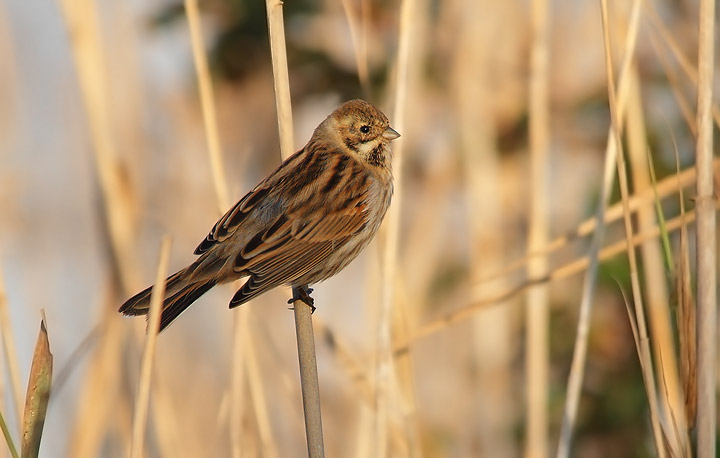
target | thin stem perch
[
  {"x": 10, "y": 354},
  {"x": 644, "y": 355},
  {"x": 148, "y": 356},
  {"x": 706, "y": 240},
  {"x": 577, "y": 369},
  {"x": 309, "y": 378},
  {"x": 537, "y": 313},
  {"x": 303, "y": 314}
]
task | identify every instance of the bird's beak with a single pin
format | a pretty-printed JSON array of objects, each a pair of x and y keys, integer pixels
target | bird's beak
[{"x": 390, "y": 134}]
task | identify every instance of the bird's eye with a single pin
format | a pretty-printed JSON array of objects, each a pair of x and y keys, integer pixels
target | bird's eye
[{"x": 365, "y": 129}]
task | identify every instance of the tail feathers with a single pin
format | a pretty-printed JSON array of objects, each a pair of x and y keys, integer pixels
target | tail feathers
[
  {"x": 139, "y": 304},
  {"x": 250, "y": 289},
  {"x": 176, "y": 304},
  {"x": 179, "y": 295}
]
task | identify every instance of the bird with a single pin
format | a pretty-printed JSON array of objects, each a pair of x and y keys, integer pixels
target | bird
[{"x": 299, "y": 226}]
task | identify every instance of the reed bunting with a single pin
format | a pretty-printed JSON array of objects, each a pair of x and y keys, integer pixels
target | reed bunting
[{"x": 302, "y": 224}]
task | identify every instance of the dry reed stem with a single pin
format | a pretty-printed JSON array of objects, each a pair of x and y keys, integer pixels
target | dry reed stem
[
  {"x": 664, "y": 188},
  {"x": 686, "y": 318},
  {"x": 10, "y": 352},
  {"x": 478, "y": 302},
  {"x": 97, "y": 409},
  {"x": 10, "y": 90},
  {"x": 404, "y": 437},
  {"x": 366, "y": 432},
  {"x": 362, "y": 447},
  {"x": 384, "y": 367},
  {"x": 631, "y": 319},
  {"x": 120, "y": 213},
  {"x": 646, "y": 363},
  {"x": 655, "y": 279},
  {"x": 120, "y": 217},
  {"x": 408, "y": 434},
  {"x": 168, "y": 433},
  {"x": 8, "y": 437},
  {"x": 421, "y": 230},
  {"x": 687, "y": 324},
  {"x": 257, "y": 386},
  {"x": 3, "y": 408},
  {"x": 687, "y": 67},
  {"x": 237, "y": 382},
  {"x": 577, "y": 367},
  {"x": 243, "y": 354},
  {"x": 303, "y": 314},
  {"x": 357, "y": 373},
  {"x": 492, "y": 342},
  {"x": 706, "y": 240},
  {"x": 207, "y": 100},
  {"x": 38, "y": 393},
  {"x": 281, "y": 78},
  {"x": 365, "y": 11},
  {"x": 148, "y": 353},
  {"x": 309, "y": 378},
  {"x": 223, "y": 413},
  {"x": 537, "y": 312},
  {"x": 358, "y": 35},
  {"x": 673, "y": 80},
  {"x": 94, "y": 413}
]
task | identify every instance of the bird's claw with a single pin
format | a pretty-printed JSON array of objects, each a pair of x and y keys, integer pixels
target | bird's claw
[{"x": 302, "y": 293}]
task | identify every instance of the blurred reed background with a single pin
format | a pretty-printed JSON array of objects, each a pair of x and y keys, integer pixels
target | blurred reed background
[{"x": 506, "y": 140}]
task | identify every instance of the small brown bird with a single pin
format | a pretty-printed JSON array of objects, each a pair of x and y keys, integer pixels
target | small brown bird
[{"x": 302, "y": 224}]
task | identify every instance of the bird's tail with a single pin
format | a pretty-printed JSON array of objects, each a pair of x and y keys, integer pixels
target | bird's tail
[{"x": 181, "y": 290}]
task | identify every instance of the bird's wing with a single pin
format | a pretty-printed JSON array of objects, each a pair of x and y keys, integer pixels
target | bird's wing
[
  {"x": 311, "y": 178},
  {"x": 292, "y": 248},
  {"x": 302, "y": 237},
  {"x": 228, "y": 224},
  {"x": 298, "y": 241},
  {"x": 269, "y": 191},
  {"x": 291, "y": 222}
]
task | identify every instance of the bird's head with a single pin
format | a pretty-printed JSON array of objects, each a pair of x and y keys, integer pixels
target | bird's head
[{"x": 361, "y": 129}]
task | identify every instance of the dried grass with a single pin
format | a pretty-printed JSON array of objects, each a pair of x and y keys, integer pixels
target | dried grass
[
  {"x": 706, "y": 239},
  {"x": 422, "y": 379}
]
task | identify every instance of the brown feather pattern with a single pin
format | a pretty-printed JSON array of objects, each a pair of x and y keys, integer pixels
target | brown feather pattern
[{"x": 302, "y": 224}]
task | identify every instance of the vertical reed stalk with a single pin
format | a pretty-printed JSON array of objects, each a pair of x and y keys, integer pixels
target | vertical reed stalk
[
  {"x": 303, "y": 314},
  {"x": 8, "y": 437},
  {"x": 10, "y": 352},
  {"x": 643, "y": 344},
  {"x": 577, "y": 368},
  {"x": 655, "y": 279},
  {"x": 207, "y": 100},
  {"x": 257, "y": 388},
  {"x": 97, "y": 409},
  {"x": 685, "y": 64},
  {"x": 384, "y": 369},
  {"x": 493, "y": 404},
  {"x": 82, "y": 22},
  {"x": 358, "y": 35},
  {"x": 686, "y": 317},
  {"x": 309, "y": 378},
  {"x": 246, "y": 357},
  {"x": 148, "y": 356},
  {"x": 706, "y": 239},
  {"x": 537, "y": 313},
  {"x": 10, "y": 90},
  {"x": 237, "y": 384},
  {"x": 281, "y": 76}
]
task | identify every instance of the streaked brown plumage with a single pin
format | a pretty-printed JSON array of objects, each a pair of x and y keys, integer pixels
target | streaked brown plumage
[{"x": 302, "y": 224}]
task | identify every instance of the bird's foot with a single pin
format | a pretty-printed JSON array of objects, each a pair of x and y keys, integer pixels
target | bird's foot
[{"x": 302, "y": 293}]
